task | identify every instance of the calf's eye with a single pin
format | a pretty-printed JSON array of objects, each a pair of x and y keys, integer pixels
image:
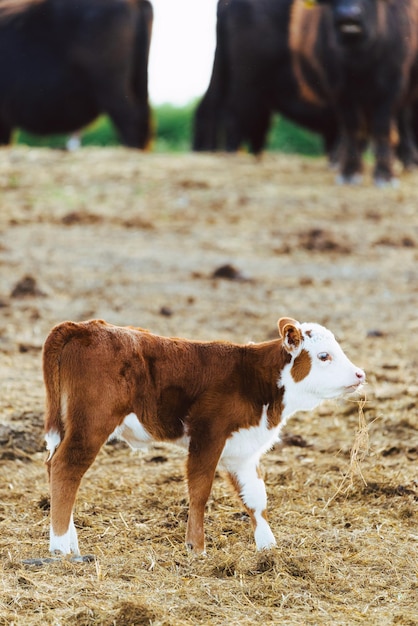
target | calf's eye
[{"x": 324, "y": 356}]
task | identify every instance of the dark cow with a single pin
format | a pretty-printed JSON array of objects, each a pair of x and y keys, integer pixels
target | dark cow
[
  {"x": 358, "y": 55},
  {"x": 252, "y": 78},
  {"x": 62, "y": 63}
]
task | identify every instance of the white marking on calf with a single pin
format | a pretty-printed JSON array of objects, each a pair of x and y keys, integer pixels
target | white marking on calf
[
  {"x": 66, "y": 543},
  {"x": 254, "y": 496},
  {"x": 53, "y": 440},
  {"x": 250, "y": 443},
  {"x": 240, "y": 457},
  {"x": 132, "y": 432}
]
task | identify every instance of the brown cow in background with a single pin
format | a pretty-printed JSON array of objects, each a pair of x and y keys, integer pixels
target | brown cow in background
[
  {"x": 62, "y": 63},
  {"x": 360, "y": 56}
]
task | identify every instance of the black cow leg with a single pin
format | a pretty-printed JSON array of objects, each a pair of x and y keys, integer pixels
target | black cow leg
[
  {"x": 5, "y": 134},
  {"x": 259, "y": 130},
  {"x": 233, "y": 134},
  {"x": 351, "y": 164},
  {"x": 406, "y": 150},
  {"x": 207, "y": 122},
  {"x": 132, "y": 124},
  {"x": 383, "y": 173},
  {"x": 381, "y": 127},
  {"x": 407, "y": 153},
  {"x": 351, "y": 136}
]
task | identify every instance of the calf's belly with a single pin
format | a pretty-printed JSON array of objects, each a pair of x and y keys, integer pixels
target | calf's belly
[{"x": 243, "y": 445}]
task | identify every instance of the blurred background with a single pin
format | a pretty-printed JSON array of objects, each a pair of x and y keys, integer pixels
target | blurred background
[{"x": 181, "y": 58}]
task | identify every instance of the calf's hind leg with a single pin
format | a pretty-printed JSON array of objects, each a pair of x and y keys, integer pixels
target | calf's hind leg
[
  {"x": 201, "y": 465},
  {"x": 66, "y": 468}
]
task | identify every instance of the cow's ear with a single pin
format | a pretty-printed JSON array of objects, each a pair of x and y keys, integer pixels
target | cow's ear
[{"x": 290, "y": 333}]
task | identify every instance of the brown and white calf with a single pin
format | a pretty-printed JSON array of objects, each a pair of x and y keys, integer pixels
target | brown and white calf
[{"x": 225, "y": 402}]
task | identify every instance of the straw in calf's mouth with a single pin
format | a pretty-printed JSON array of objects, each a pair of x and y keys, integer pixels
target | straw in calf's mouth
[{"x": 359, "y": 451}]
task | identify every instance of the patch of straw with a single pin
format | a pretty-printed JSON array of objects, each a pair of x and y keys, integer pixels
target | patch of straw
[{"x": 359, "y": 451}]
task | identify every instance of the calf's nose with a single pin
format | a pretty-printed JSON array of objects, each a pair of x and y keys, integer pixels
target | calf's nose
[{"x": 361, "y": 376}]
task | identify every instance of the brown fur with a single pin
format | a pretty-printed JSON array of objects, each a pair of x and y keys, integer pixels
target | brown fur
[
  {"x": 304, "y": 23},
  {"x": 188, "y": 373},
  {"x": 301, "y": 366}
]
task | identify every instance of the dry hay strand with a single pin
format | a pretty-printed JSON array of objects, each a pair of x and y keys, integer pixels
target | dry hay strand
[{"x": 359, "y": 452}]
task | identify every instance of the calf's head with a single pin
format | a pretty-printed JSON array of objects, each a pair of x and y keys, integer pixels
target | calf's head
[{"x": 318, "y": 367}]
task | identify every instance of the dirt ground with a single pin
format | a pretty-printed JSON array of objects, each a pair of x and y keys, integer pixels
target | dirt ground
[{"x": 136, "y": 239}]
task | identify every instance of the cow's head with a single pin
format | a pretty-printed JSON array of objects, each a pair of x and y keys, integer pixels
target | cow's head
[
  {"x": 355, "y": 21},
  {"x": 318, "y": 369}
]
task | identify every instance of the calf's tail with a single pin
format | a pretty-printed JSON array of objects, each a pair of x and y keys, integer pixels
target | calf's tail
[{"x": 51, "y": 361}]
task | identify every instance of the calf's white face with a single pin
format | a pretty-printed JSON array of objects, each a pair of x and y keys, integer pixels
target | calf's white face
[{"x": 319, "y": 369}]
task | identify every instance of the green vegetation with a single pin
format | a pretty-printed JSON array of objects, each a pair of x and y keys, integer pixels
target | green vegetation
[
  {"x": 173, "y": 128},
  {"x": 284, "y": 136}
]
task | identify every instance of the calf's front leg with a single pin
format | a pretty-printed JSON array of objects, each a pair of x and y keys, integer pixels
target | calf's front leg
[{"x": 248, "y": 482}]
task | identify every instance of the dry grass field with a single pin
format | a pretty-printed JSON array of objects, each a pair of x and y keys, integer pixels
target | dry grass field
[{"x": 136, "y": 239}]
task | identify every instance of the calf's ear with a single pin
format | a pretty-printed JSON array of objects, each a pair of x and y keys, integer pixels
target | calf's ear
[{"x": 290, "y": 332}]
